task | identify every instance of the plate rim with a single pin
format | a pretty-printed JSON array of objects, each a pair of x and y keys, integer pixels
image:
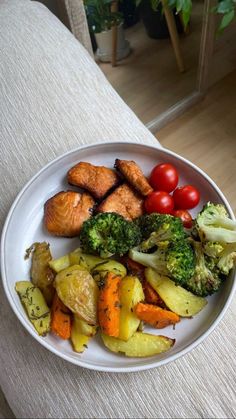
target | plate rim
[{"x": 81, "y": 362}]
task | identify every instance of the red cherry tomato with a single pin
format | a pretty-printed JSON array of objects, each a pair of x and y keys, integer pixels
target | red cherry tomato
[
  {"x": 159, "y": 201},
  {"x": 185, "y": 217},
  {"x": 164, "y": 177},
  {"x": 186, "y": 197}
]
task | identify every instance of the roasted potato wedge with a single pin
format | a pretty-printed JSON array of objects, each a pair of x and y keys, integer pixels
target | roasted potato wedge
[
  {"x": 176, "y": 298},
  {"x": 79, "y": 292},
  {"x": 131, "y": 293},
  {"x": 35, "y": 306},
  {"x": 139, "y": 345},
  {"x": 83, "y": 327},
  {"x": 97, "y": 266},
  {"x": 78, "y": 338},
  {"x": 100, "y": 270},
  {"x": 41, "y": 274}
]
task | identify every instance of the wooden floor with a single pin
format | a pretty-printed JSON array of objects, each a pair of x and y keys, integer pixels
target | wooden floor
[
  {"x": 206, "y": 135},
  {"x": 148, "y": 80}
]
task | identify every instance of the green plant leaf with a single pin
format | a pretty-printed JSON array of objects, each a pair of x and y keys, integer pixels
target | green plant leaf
[
  {"x": 226, "y": 20},
  {"x": 225, "y": 6}
]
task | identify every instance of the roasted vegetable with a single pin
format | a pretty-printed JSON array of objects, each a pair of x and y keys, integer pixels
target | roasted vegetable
[
  {"x": 206, "y": 278},
  {"x": 176, "y": 298},
  {"x": 109, "y": 305},
  {"x": 81, "y": 333},
  {"x": 213, "y": 224},
  {"x": 165, "y": 228},
  {"x": 151, "y": 295},
  {"x": 35, "y": 306},
  {"x": 139, "y": 345},
  {"x": 61, "y": 318},
  {"x": 103, "y": 268},
  {"x": 175, "y": 260},
  {"x": 77, "y": 289},
  {"x": 41, "y": 274},
  {"x": 156, "y": 316},
  {"x": 97, "y": 266},
  {"x": 227, "y": 259},
  {"x": 108, "y": 234},
  {"x": 131, "y": 292}
]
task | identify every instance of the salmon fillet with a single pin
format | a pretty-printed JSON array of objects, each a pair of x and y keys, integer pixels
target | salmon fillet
[
  {"x": 65, "y": 213},
  {"x": 134, "y": 175},
  {"x": 98, "y": 180},
  {"x": 123, "y": 201}
]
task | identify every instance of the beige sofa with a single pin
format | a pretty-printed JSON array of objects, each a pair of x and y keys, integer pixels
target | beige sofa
[{"x": 53, "y": 97}]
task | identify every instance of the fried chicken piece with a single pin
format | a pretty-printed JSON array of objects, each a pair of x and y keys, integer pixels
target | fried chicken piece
[
  {"x": 123, "y": 201},
  {"x": 133, "y": 175},
  {"x": 65, "y": 213},
  {"x": 98, "y": 180}
]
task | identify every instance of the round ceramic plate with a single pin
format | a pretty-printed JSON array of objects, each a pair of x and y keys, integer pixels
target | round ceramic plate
[{"x": 24, "y": 226}]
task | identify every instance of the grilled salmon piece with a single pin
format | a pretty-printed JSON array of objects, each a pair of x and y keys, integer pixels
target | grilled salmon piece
[
  {"x": 98, "y": 180},
  {"x": 123, "y": 201},
  {"x": 134, "y": 175},
  {"x": 65, "y": 213}
]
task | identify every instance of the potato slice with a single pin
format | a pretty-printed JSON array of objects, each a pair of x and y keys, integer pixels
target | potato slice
[
  {"x": 94, "y": 264},
  {"x": 139, "y": 345},
  {"x": 131, "y": 293},
  {"x": 42, "y": 275},
  {"x": 100, "y": 270},
  {"x": 83, "y": 327},
  {"x": 176, "y": 298},
  {"x": 35, "y": 305},
  {"x": 79, "y": 292},
  {"x": 78, "y": 338}
]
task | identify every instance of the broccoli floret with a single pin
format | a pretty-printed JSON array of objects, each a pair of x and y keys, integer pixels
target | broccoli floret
[
  {"x": 213, "y": 249},
  {"x": 213, "y": 224},
  {"x": 227, "y": 259},
  {"x": 176, "y": 260},
  {"x": 206, "y": 279},
  {"x": 109, "y": 234},
  {"x": 149, "y": 223},
  {"x": 170, "y": 229}
]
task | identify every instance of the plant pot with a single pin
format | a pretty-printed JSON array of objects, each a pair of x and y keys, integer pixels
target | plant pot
[
  {"x": 155, "y": 22},
  {"x": 104, "y": 43}
]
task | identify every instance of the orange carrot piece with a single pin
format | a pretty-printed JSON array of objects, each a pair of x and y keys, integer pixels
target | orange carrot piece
[
  {"x": 61, "y": 319},
  {"x": 109, "y": 305},
  {"x": 151, "y": 296},
  {"x": 133, "y": 268},
  {"x": 156, "y": 316}
]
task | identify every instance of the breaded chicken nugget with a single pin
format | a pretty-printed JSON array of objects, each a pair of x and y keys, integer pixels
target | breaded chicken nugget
[
  {"x": 123, "y": 201},
  {"x": 65, "y": 213},
  {"x": 134, "y": 175},
  {"x": 98, "y": 180}
]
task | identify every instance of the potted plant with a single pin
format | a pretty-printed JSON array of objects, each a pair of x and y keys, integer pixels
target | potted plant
[
  {"x": 152, "y": 14},
  {"x": 154, "y": 21},
  {"x": 101, "y": 19}
]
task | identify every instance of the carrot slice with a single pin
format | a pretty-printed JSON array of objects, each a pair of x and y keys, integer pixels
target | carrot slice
[
  {"x": 151, "y": 296},
  {"x": 109, "y": 305},
  {"x": 156, "y": 316},
  {"x": 133, "y": 268},
  {"x": 61, "y": 319}
]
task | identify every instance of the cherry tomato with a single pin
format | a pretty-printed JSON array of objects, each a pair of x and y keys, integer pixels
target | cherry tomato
[
  {"x": 159, "y": 201},
  {"x": 186, "y": 197},
  {"x": 185, "y": 217},
  {"x": 164, "y": 177}
]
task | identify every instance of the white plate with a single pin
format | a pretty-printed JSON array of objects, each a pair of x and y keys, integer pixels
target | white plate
[{"x": 24, "y": 226}]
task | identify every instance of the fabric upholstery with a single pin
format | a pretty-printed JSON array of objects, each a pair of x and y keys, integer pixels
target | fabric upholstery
[{"x": 53, "y": 98}]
